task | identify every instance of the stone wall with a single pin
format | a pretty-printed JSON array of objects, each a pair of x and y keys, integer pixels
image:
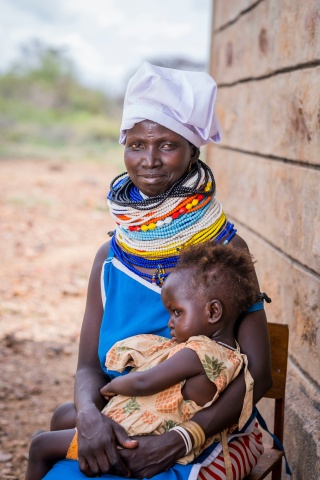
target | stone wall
[{"x": 265, "y": 58}]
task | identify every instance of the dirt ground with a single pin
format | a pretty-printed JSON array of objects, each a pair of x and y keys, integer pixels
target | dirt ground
[{"x": 53, "y": 218}]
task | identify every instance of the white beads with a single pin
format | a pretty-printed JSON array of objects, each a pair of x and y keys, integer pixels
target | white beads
[{"x": 172, "y": 237}]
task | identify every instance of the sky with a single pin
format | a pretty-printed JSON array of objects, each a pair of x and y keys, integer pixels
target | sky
[{"x": 108, "y": 39}]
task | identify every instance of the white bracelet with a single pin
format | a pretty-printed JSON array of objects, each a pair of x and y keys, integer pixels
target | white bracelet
[{"x": 185, "y": 436}]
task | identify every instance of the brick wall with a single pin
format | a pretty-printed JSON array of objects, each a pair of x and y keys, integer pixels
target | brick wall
[{"x": 265, "y": 58}]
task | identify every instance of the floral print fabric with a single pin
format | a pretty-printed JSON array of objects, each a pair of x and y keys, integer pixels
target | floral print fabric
[{"x": 156, "y": 414}]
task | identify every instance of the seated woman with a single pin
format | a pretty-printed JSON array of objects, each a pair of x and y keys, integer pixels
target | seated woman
[
  {"x": 173, "y": 379},
  {"x": 164, "y": 202}
]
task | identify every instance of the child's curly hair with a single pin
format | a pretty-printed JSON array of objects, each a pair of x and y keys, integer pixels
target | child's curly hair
[{"x": 227, "y": 271}]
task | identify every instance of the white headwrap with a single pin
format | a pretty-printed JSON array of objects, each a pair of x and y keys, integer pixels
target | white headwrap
[{"x": 179, "y": 100}]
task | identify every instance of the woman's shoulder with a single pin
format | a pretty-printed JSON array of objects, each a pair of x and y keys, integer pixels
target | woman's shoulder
[
  {"x": 101, "y": 255},
  {"x": 103, "y": 251},
  {"x": 239, "y": 243}
]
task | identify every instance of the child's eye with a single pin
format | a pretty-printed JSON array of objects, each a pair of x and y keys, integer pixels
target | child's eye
[{"x": 177, "y": 312}]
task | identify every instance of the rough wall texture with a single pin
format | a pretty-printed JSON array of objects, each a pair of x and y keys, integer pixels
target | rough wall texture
[{"x": 265, "y": 57}]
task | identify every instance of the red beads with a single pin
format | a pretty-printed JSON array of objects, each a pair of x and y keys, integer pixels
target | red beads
[{"x": 151, "y": 226}]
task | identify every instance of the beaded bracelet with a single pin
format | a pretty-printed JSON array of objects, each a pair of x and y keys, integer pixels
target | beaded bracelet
[
  {"x": 185, "y": 436},
  {"x": 196, "y": 431}
]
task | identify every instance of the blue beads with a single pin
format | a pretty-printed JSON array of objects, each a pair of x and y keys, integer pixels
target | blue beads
[
  {"x": 228, "y": 230},
  {"x": 128, "y": 258}
]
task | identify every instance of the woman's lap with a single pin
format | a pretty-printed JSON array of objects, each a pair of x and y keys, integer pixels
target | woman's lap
[
  {"x": 69, "y": 470},
  {"x": 244, "y": 454}
]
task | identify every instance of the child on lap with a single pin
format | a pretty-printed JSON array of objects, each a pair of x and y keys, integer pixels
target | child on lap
[{"x": 174, "y": 378}]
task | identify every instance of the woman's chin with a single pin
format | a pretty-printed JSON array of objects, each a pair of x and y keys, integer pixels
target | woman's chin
[
  {"x": 153, "y": 190},
  {"x": 152, "y": 185}
]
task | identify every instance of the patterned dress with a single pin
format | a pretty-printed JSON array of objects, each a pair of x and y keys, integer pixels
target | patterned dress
[{"x": 156, "y": 414}]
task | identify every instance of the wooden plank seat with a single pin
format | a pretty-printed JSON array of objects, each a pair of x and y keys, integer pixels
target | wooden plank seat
[{"x": 271, "y": 460}]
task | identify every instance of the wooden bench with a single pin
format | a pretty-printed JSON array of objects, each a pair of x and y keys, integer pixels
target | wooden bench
[{"x": 271, "y": 460}]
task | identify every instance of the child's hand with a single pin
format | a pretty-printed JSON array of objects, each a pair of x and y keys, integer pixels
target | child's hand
[{"x": 105, "y": 391}]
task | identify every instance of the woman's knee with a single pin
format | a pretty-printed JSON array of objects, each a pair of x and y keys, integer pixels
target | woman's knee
[{"x": 64, "y": 417}]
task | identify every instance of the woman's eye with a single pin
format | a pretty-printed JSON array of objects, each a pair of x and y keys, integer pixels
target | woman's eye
[
  {"x": 136, "y": 146},
  {"x": 168, "y": 146}
]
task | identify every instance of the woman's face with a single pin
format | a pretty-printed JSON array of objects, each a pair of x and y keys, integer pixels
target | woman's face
[{"x": 156, "y": 157}]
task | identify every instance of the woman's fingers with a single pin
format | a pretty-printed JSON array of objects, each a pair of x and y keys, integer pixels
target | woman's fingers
[
  {"x": 120, "y": 439},
  {"x": 98, "y": 463},
  {"x": 99, "y": 447},
  {"x": 89, "y": 466},
  {"x": 118, "y": 466},
  {"x": 154, "y": 454}
]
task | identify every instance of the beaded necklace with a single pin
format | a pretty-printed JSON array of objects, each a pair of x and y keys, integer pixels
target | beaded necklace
[
  {"x": 150, "y": 231},
  {"x": 121, "y": 186}
]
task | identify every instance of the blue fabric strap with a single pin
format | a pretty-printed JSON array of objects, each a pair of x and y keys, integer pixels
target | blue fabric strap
[
  {"x": 279, "y": 445},
  {"x": 255, "y": 307}
]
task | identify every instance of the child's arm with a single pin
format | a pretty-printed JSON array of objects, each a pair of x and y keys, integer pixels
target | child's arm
[{"x": 181, "y": 366}]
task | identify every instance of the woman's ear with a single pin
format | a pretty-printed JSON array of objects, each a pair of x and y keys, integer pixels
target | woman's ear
[
  {"x": 215, "y": 311},
  {"x": 195, "y": 153}
]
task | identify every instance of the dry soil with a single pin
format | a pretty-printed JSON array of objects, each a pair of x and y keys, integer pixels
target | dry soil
[{"x": 53, "y": 218}]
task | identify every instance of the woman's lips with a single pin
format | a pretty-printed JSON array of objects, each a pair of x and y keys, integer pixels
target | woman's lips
[
  {"x": 151, "y": 178},
  {"x": 154, "y": 175}
]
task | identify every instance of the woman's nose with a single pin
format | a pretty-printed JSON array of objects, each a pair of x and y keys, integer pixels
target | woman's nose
[{"x": 151, "y": 158}]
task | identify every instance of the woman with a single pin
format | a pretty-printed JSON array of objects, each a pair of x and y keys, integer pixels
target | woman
[{"x": 165, "y": 203}]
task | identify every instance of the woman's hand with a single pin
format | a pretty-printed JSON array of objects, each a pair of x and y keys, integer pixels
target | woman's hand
[
  {"x": 98, "y": 441},
  {"x": 155, "y": 454}
]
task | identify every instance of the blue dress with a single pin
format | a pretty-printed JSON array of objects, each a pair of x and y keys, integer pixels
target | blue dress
[{"x": 131, "y": 306}]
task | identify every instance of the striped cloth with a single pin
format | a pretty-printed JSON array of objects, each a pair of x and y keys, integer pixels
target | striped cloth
[{"x": 244, "y": 454}]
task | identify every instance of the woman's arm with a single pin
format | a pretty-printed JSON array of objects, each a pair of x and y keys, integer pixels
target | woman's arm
[
  {"x": 253, "y": 336},
  {"x": 254, "y": 340},
  {"x": 98, "y": 436},
  {"x": 181, "y": 366}
]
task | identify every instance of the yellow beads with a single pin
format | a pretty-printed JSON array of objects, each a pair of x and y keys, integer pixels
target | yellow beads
[
  {"x": 189, "y": 206},
  {"x": 150, "y": 226},
  {"x": 207, "y": 188}
]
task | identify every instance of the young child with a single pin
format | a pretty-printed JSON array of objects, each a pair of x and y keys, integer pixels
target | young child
[{"x": 174, "y": 378}]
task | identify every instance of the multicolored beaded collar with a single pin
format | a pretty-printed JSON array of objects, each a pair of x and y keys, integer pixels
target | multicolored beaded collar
[{"x": 151, "y": 231}]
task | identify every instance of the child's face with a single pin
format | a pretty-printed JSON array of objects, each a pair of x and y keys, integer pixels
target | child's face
[{"x": 189, "y": 311}]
